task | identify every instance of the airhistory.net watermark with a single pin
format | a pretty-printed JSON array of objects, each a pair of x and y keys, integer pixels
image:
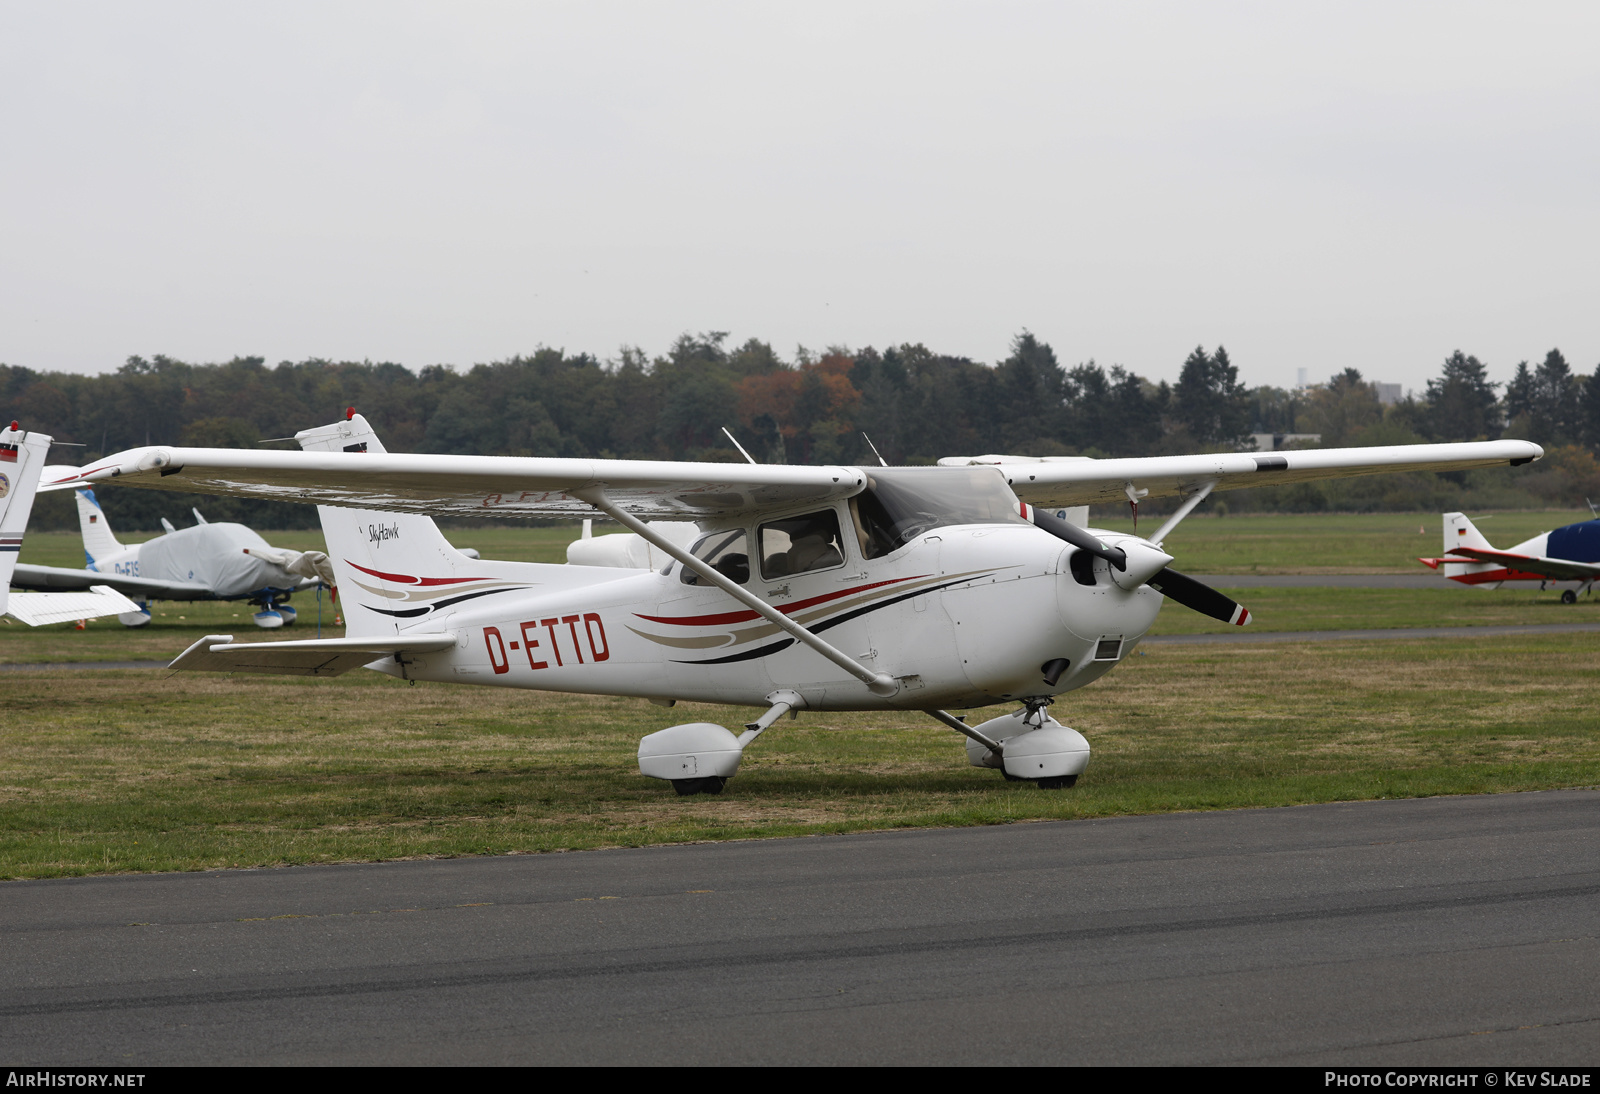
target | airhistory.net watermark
[{"x": 47, "y": 1077}]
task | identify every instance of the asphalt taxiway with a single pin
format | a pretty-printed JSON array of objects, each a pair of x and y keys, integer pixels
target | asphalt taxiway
[{"x": 1442, "y": 930}]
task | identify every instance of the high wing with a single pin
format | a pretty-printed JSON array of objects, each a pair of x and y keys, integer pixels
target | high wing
[
  {"x": 1560, "y": 568},
  {"x": 58, "y": 577},
  {"x": 310, "y": 657},
  {"x": 661, "y": 490},
  {"x": 472, "y": 485},
  {"x": 1055, "y": 481}
]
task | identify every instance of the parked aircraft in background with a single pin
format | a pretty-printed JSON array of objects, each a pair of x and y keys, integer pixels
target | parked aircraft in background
[
  {"x": 808, "y": 588},
  {"x": 207, "y": 562},
  {"x": 625, "y": 550},
  {"x": 22, "y": 456},
  {"x": 1570, "y": 553}
]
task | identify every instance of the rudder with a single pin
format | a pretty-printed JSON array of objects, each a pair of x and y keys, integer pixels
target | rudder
[
  {"x": 1459, "y": 531},
  {"x": 98, "y": 539},
  {"x": 384, "y": 554}
]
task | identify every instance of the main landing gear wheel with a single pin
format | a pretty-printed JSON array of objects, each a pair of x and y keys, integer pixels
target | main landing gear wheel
[
  {"x": 1568, "y": 596},
  {"x": 1060, "y": 782},
  {"x": 711, "y": 784}
]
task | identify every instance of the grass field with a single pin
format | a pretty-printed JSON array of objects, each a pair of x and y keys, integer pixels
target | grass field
[
  {"x": 141, "y": 770},
  {"x": 118, "y": 771}
]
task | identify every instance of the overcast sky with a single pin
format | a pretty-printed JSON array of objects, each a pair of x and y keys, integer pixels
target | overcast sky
[{"x": 1314, "y": 186}]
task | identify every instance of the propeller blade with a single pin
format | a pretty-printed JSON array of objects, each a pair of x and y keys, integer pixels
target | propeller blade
[
  {"x": 1202, "y": 598},
  {"x": 1078, "y": 537}
]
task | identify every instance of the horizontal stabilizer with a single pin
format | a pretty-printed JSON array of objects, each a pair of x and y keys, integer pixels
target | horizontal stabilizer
[
  {"x": 38, "y": 609},
  {"x": 309, "y": 657}
]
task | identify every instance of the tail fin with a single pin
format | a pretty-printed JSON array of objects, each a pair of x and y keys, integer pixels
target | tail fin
[
  {"x": 1461, "y": 532},
  {"x": 394, "y": 570},
  {"x": 22, "y": 456},
  {"x": 98, "y": 540}
]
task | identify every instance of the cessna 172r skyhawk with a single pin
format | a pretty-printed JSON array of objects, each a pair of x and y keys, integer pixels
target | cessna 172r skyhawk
[{"x": 808, "y": 588}]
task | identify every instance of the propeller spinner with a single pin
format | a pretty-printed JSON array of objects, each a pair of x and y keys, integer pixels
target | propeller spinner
[{"x": 1142, "y": 562}]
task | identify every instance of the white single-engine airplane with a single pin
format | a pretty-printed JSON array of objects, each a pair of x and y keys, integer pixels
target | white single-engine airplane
[
  {"x": 22, "y": 456},
  {"x": 1569, "y": 553},
  {"x": 809, "y": 588},
  {"x": 221, "y": 561}
]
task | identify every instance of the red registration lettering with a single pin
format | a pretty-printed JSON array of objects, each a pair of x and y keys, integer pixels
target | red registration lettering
[
  {"x": 591, "y": 623},
  {"x": 530, "y": 643},
  {"x": 550, "y": 627},
  {"x": 492, "y": 641},
  {"x": 572, "y": 624}
]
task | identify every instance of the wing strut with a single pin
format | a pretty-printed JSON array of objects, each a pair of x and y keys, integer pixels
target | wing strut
[
  {"x": 1184, "y": 510},
  {"x": 879, "y": 683},
  {"x": 966, "y": 731}
]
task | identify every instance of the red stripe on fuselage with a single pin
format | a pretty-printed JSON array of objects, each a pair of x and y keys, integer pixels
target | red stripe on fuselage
[
  {"x": 407, "y": 579},
  {"x": 725, "y": 618}
]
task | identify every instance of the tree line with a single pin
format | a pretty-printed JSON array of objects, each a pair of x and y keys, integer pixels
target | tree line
[{"x": 914, "y": 404}]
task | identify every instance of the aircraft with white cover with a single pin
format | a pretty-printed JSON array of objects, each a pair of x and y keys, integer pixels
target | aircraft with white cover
[
  {"x": 221, "y": 561},
  {"x": 1569, "y": 553},
  {"x": 22, "y": 456},
  {"x": 807, "y": 588}
]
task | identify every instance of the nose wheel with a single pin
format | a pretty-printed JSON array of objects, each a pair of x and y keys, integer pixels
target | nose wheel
[{"x": 710, "y": 784}]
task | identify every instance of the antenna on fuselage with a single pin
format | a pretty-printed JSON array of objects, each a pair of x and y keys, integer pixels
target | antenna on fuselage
[
  {"x": 874, "y": 448},
  {"x": 1592, "y": 509},
  {"x": 737, "y": 445}
]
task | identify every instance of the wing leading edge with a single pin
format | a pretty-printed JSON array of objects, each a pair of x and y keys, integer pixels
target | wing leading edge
[
  {"x": 472, "y": 485},
  {"x": 53, "y": 578},
  {"x": 652, "y": 489},
  {"x": 1053, "y": 481},
  {"x": 1559, "y": 568}
]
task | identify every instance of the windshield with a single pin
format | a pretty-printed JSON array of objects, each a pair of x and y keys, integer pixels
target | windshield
[
  {"x": 726, "y": 553},
  {"x": 901, "y": 503}
]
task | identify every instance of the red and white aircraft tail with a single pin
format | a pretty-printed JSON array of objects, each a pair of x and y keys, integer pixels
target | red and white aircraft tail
[
  {"x": 1459, "y": 531},
  {"x": 396, "y": 573},
  {"x": 1470, "y": 559},
  {"x": 22, "y": 456}
]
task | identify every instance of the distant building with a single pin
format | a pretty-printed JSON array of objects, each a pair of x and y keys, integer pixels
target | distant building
[
  {"x": 1271, "y": 442},
  {"x": 1300, "y": 380},
  {"x": 1389, "y": 394}
]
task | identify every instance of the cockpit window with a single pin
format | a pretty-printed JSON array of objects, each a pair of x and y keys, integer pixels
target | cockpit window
[
  {"x": 726, "y": 552},
  {"x": 900, "y": 503},
  {"x": 798, "y": 545}
]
